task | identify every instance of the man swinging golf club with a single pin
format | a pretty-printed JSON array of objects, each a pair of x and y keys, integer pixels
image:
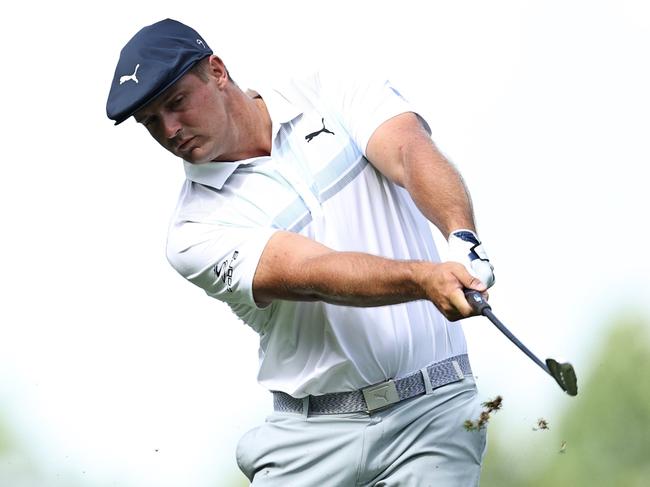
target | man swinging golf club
[{"x": 306, "y": 208}]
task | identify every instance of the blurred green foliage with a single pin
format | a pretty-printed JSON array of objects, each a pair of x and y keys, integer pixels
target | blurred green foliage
[
  {"x": 237, "y": 480},
  {"x": 19, "y": 467},
  {"x": 14, "y": 468},
  {"x": 5, "y": 441},
  {"x": 607, "y": 430}
]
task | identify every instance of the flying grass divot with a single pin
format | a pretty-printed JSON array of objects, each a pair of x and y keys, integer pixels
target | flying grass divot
[
  {"x": 542, "y": 424},
  {"x": 490, "y": 407}
]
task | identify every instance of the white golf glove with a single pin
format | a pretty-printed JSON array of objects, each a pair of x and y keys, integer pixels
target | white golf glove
[{"x": 466, "y": 248}]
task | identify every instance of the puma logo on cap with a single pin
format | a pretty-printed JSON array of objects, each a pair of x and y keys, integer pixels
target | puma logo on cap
[{"x": 125, "y": 78}]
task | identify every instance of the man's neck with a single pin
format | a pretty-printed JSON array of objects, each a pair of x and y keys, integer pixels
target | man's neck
[
  {"x": 252, "y": 127},
  {"x": 264, "y": 123}
]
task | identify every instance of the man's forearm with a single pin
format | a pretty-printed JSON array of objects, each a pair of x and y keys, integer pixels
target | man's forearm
[
  {"x": 436, "y": 187},
  {"x": 358, "y": 279},
  {"x": 402, "y": 150},
  {"x": 293, "y": 267}
]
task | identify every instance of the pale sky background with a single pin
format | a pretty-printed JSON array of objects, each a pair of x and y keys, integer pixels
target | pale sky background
[{"x": 115, "y": 371}]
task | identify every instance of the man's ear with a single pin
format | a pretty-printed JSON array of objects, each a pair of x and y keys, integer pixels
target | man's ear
[{"x": 218, "y": 70}]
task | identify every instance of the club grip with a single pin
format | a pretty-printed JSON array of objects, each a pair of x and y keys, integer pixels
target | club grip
[{"x": 475, "y": 299}]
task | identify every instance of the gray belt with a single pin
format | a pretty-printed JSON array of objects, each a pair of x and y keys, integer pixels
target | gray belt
[{"x": 380, "y": 395}]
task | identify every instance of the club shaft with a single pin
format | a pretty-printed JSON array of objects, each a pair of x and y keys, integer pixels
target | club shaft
[{"x": 488, "y": 313}]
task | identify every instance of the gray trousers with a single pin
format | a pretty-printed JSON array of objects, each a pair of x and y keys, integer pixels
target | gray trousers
[{"x": 418, "y": 442}]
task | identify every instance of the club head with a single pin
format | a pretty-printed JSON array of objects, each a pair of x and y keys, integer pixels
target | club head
[{"x": 564, "y": 375}]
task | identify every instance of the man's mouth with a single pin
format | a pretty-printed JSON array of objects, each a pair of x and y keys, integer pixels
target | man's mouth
[{"x": 184, "y": 145}]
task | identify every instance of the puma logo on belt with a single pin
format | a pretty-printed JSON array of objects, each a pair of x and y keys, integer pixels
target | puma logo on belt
[
  {"x": 314, "y": 134},
  {"x": 125, "y": 78}
]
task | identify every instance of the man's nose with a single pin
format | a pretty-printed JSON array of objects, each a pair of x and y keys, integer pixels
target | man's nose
[{"x": 171, "y": 126}]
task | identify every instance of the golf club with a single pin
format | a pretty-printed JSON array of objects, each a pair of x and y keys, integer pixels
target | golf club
[{"x": 562, "y": 372}]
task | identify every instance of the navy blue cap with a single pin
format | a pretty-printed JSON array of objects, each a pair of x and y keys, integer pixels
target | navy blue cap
[{"x": 154, "y": 59}]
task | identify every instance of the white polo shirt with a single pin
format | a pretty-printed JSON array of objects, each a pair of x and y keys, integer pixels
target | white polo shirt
[{"x": 324, "y": 188}]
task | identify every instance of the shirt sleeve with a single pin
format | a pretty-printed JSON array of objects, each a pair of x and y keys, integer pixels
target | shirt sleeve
[
  {"x": 220, "y": 259},
  {"x": 363, "y": 102}
]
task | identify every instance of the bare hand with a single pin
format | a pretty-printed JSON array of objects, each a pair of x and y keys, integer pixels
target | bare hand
[{"x": 444, "y": 287}]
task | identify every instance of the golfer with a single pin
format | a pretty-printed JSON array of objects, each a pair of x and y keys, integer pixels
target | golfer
[{"x": 306, "y": 208}]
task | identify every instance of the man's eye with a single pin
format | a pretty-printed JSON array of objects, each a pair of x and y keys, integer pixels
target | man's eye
[{"x": 177, "y": 102}]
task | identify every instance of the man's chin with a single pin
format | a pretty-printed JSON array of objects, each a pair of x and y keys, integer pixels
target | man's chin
[
  {"x": 196, "y": 161},
  {"x": 196, "y": 156}
]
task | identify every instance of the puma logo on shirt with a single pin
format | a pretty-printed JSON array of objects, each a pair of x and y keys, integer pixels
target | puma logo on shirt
[{"x": 308, "y": 137}]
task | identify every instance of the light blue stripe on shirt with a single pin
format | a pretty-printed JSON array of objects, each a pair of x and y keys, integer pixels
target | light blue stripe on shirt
[{"x": 340, "y": 172}]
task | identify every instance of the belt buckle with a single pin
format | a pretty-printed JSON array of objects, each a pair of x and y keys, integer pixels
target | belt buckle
[{"x": 380, "y": 395}]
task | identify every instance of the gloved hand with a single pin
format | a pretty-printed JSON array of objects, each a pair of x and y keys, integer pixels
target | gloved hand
[{"x": 466, "y": 248}]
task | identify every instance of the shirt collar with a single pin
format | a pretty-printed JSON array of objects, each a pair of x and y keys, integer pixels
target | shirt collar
[
  {"x": 280, "y": 109},
  {"x": 215, "y": 174}
]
